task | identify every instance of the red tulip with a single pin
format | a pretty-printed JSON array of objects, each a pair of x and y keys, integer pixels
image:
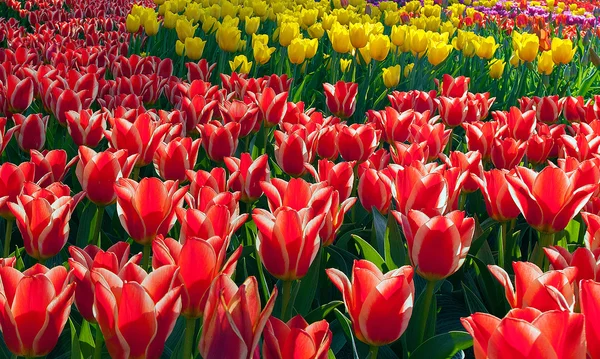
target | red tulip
[
  {"x": 272, "y": 105},
  {"x": 334, "y": 219},
  {"x": 198, "y": 110},
  {"x": 435, "y": 136},
  {"x": 357, "y": 142},
  {"x": 548, "y": 199},
  {"x": 520, "y": 125},
  {"x": 5, "y": 135},
  {"x": 573, "y": 108},
  {"x": 480, "y": 136},
  {"x": 326, "y": 142},
  {"x": 219, "y": 141},
  {"x": 140, "y": 330},
  {"x": 592, "y": 234},
  {"x": 147, "y": 209},
  {"x": 85, "y": 127},
  {"x": 395, "y": 125},
  {"x": 297, "y": 194},
  {"x": 12, "y": 179},
  {"x": 31, "y": 135},
  {"x": 403, "y": 154},
  {"x": 498, "y": 201},
  {"x": 200, "y": 262},
  {"x": 454, "y": 86},
  {"x": 244, "y": 114},
  {"x": 246, "y": 175},
  {"x": 8, "y": 262},
  {"x": 83, "y": 261},
  {"x": 580, "y": 146},
  {"x": 589, "y": 297},
  {"x": 172, "y": 160},
  {"x": 582, "y": 258},
  {"x": 547, "y": 109},
  {"x": 453, "y": 110},
  {"x": 233, "y": 321},
  {"x": 34, "y": 308},
  {"x": 527, "y": 333},
  {"x": 469, "y": 163},
  {"x": 379, "y": 305},
  {"x": 43, "y": 220},
  {"x": 218, "y": 216},
  {"x": 98, "y": 172},
  {"x": 199, "y": 71},
  {"x": 141, "y": 137},
  {"x": 507, "y": 153},
  {"x": 294, "y": 149},
  {"x": 416, "y": 188},
  {"x": 19, "y": 93},
  {"x": 341, "y": 98},
  {"x": 51, "y": 166},
  {"x": 296, "y": 339},
  {"x": 552, "y": 290},
  {"x": 538, "y": 148},
  {"x": 437, "y": 246},
  {"x": 288, "y": 240},
  {"x": 63, "y": 101},
  {"x": 340, "y": 176},
  {"x": 215, "y": 179},
  {"x": 378, "y": 160},
  {"x": 375, "y": 190}
]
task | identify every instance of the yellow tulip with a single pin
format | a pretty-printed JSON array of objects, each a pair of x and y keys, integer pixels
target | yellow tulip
[
  {"x": 438, "y": 52},
  {"x": 433, "y": 23},
  {"x": 448, "y": 27},
  {"x": 228, "y": 38},
  {"x": 241, "y": 46},
  {"x": 391, "y": 76},
  {"x": 132, "y": 23},
  {"x": 245, "y": 11},
  {"x": 193, "y": 12},
  {"x": 316, "y": 31},
  {"x": 296, "y": 51},
  {"x": 288, "y": 31},
  {"x": 328, "y": 21},
  {"x": 184, "y": 29},
  {"x": 251, "y": 25},
  {"x": 194, "y": 47},
  {"x": 179, "y": 47},
  {"x": 470, "y": 48},
  {"x": 262, "y": 38},
  {"x": 240, "y": 64},
  {"x": 528, "y": 47},
  {"x": 496, "y": 68},
  {"x": 345, "y": 65},
  {"x": 310, "y": 47},
  {"x": 514, "y": 60},
  {"x": 262, "y": 53},
  {"x": 418, "y": 41},
  {"x": 228, "y": 9},
  {"x": 562, "y": 51},
  {"x": 398, "y": 35},
  {"x": 210, "y": 24},
  {"x": 407, "y": 69},
  {"x": 545, "y": 63},
  {"x": 339, "y": 37},
  {"x": 391, "y": 18},
  {"x": 309, "y": 17},
  {"x": 358, "y": 35},
  {"x": 151, "y": 26},
  {"x": 461, "y": 40},
  {"x": 364, "y": 54},
  {"x": 487, "y": 47},
  {"x": 380, "y": 46}
]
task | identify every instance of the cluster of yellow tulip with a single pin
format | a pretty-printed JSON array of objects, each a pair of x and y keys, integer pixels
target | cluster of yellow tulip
[{"x": 526, "y": 49}]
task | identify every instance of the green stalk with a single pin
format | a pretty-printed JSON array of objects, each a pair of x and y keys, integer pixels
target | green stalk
[
  {"x": 95, "y": 233},
  {"x": 188, "y": 344},
  {"x": 146, "y": 257},
  {"x": 373, "y": 350},
  {"x": 502, "y": 245},
  {"x": 546, "y": 240},
  {"x": 429, "y": 292},
  {"x": 136, "y": 174},
  {"x": 9, "y": 226},
  {"x": 287, "y": 291},
  {"x": 98, "y": 341}
]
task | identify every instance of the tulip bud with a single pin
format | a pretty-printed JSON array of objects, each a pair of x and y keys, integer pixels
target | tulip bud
[{"x": 31, "y": 135}]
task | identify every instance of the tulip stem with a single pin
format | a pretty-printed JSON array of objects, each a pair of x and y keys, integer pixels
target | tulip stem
[
  {"x": 546, "y": 240},
  {"x": 429, "y": 292},
  {"x": 287, "y": 291},
  {"x": 9, "y": 227},
  {"x": 95, "y": 233},
  {"x": 136, "y": 174},
  {"x": 98, "y": 341},
  {"x": 146, "y": 257},
  {"x": 373, "y": 350},
  {"x": 188, "y": 344},
  {"x": 502, "y": 244}
]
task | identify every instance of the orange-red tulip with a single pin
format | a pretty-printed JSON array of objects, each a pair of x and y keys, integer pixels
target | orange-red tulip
[
  {"x": 357, "y": 142},
  {"x": 589, "y": 297},
  {"x": 341, "y": 98},
  {"x": 219, "y": 141},
  {"x": 246, "y": 175},
  {"x": 296, "y": 339},
  {"x": 12, "y": 179},
  {"x": 31, "y": 133},
  {"x": 86, "y": 127},
  {"x": 172, "y": 160},
  {"x": 380, "y": 305},
  {"x": 375, "y": 190},
  {"x": 50, "y": 166},
  {"x": 588, "y": 267},
  {"x": 498, "y": 202}
]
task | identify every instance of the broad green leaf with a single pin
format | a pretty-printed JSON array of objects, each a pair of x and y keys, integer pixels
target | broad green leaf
[
  {"x": 322, "y": 311},
  {"x": 369, "y": 253},
  {"x": 308, "y": 286},
  {"x": 443, "y": 346},
  {"x": 75, "y": 350},
  {"x": 347, "y": 328}
]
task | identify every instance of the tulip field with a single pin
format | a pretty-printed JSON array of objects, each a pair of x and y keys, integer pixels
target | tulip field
[{"x": 300, "y": 179}]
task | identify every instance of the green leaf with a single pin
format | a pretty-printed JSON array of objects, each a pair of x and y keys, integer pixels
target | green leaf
[
  {"x": 330, "y": 354},
  {"x": 86, "y": 339},
  {"x": 369, "y": 253},
  {"x": 85, "y": 224},
  {"x": 308, "y": 286},
  {"x": 75, "y": 350},
  {"x": 322, "y": 311},
  {"x": 443, "y": 346},
  {"x": 395, "y": 251},
  {"x": 347, "y": 328},
  {"x": 414, "y": 330},
  {"x": 380, "y": 226},
  {"x": 473, "y": 302}
]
